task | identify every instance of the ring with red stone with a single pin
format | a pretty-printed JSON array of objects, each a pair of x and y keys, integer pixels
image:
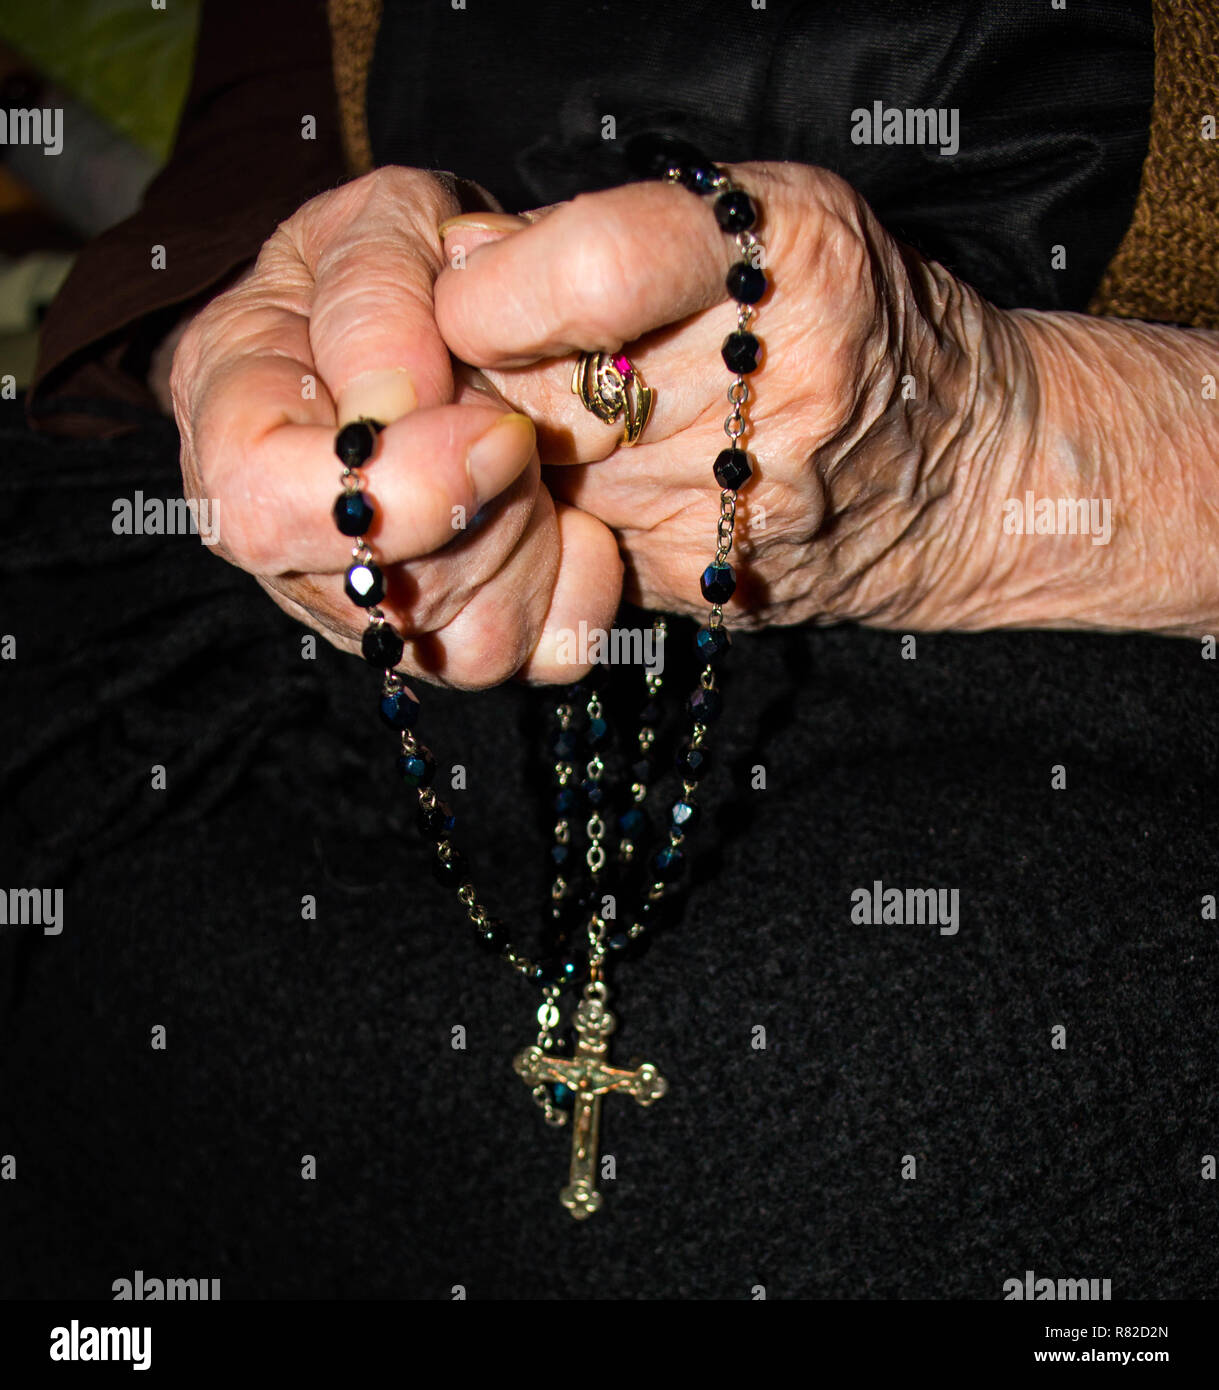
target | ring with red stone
[{"x": 612, "y": 388}]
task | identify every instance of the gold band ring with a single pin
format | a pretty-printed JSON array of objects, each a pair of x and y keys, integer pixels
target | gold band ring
[{"x": 612, "y": 388}]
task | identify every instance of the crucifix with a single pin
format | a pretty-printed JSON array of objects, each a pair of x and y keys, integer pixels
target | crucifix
[{"x": 589, "y": 1077}]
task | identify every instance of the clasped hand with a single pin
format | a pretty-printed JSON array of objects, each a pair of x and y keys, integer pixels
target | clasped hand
[{"x": 892, "y": 403}]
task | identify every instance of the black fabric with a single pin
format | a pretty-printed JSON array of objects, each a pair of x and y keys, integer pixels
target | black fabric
[
  {"x": 1053, "y": 111},
  {"x": 778, "y": 1166},
  {"x": 332, "y": 1037}
]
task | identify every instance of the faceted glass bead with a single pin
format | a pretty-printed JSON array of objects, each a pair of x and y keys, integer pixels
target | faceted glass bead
[
  {"x": 561, "y": 1097},
  {"x": 732, "y": 468},
  {"x": 453, "y": 873},
  {"x": 649, "y": 155},
  {"x": 490, "y": 937},
  {"x": 650, "y": 714},
  {"x": 546, "y": 972},
  {"x": 641, "y": 771},
  {"x": 684, "y": 815},
  {"x": 718, "y": 583},
  {"x": 566, "y": 801},
  {"x": 365, "y": 584},
  {"x": 399, "y": 711},
  {"x": 353, "y": 513},
  {"x": 712, "y": 642},
  {"x": 559, "y": 855},
  {"x": 746, "y": 283},
  {"x": 667, "y": 864},
  {"x": 691, "y": 762},
  {"x": 598, "y": 732},
  {"x": 417, "y": 769},
  {"x": 594, "y": 794},
  {"x": 565, "y": 744},
  {"x": 437, "y": 821},
  {"x": 734, "y": 211},
  {"x": 740, "y": 352},
  {"x": 632, "y": 824},
  {"x": 705, "y": 705},
  {"x": 699, "y": 176},
  {"x": 625, "y": 946},
  {"x": 355, "y": 442},
  {"x": 381, "y": 645}
]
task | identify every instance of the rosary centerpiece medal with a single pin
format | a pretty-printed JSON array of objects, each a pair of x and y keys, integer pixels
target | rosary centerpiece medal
[{"x": 569, "y": 1086}]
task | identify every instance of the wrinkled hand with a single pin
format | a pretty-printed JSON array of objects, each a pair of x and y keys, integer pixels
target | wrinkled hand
[
  {"x": 891, "y": 410},
  {"x": 341, "y": 298}
]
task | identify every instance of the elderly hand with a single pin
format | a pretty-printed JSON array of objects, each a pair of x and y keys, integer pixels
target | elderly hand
[
  {"x": 901, "y": 421},
  {"x": 335, "y": 322}
]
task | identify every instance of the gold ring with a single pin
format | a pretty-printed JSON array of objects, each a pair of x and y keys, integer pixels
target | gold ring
[{"x": 612, "y": 387}]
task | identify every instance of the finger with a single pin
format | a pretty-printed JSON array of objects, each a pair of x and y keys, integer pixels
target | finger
[
  {"x": 595, "y": 273},
  {"x": 588, "y": 588},
  {"x": 490, "y": 626},
  {"x": 373, "y": 252},
  {"x": 432, "y": 473},
  {"x": 680, "y": 365}
]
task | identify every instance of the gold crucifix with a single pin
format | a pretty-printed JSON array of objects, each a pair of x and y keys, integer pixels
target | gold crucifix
[{"x": 589, "y": 1078}]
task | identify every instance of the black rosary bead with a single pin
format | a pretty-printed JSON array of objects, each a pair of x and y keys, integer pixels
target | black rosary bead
[
  {"x": 490, "y": 937},
  {"x": 632, "y": 823},
  {"x": 691, "y": 762},
  {"x": 740, "y": 352},
  {"x": 732, "y": 469},
  {"x": 381, "y": 646},
  {"x": 565, "y": 744},
  {"x": 623, "y": 946},
  {"x": 436, "y": 821},
  {"x": 545, "y": 972},
  {"x": 718, "y": 583},
  {"x": 354, "y": 443},
  {"x": 746, "y": 283},
  {"x": 650, "y": 155},
  {"x": 650, "y": 714},
  {"x": 667, "y": 864},
  {"x": 365, "y": 584},
  {"x": 398, "y": 710},
  {"x": 705, "y": 705},
  {"x": 417, "y": 769},
  {"x": 353, "y": 513},
  {"x": 699, "y": 176},
  {"x": 734, "y": 211},
  {"x": 712, "y": 643}
]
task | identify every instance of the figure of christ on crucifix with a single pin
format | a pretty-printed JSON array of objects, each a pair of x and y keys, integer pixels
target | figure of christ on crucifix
[{"x": 588, "y": 1076}]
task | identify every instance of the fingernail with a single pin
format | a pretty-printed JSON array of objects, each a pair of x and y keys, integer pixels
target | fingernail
[
  {"x": 378, "y": 395},
  {"x": 497, "y": 457},
  {"x": 482, "y": 222}
]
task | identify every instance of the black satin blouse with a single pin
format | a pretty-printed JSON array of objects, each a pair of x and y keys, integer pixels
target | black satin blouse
[{"x": 1051, "y": 108}]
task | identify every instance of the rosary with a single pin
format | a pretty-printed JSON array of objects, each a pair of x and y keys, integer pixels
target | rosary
[{"x": 569, "y": 1088}]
